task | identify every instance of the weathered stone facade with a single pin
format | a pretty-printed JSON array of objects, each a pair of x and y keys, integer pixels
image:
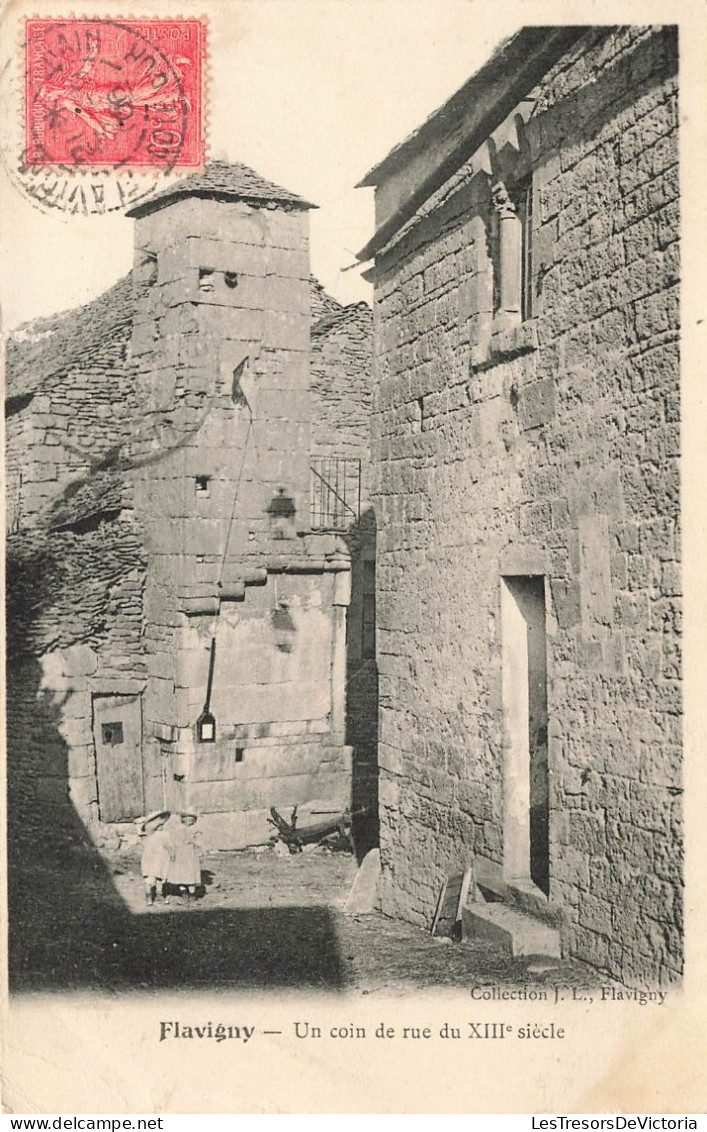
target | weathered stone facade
[
  {"x": 526, "y": 450},
  {"x": 342, "y": 384},
  {"x": 163, "y": 562}
]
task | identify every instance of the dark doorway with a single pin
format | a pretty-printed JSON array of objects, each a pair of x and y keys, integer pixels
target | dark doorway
[
  {"x": 526, "y": 779},
  {"x": 117, "y": 733}
]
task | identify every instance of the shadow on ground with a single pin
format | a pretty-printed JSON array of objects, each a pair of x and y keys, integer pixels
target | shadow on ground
[
  {"x": 223, "y": 949},
  {"x": 265, "y": 922},
  {"x": 69, "y": 933}
]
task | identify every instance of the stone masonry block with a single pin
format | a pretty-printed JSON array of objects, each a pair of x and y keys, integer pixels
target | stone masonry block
[
  {"x": 226, "y": 255},
  {"x": 235, "y": 829},
  {"x": 285, "y": 229},
  {"x": 289, "y": 263},
  {"x": 228, "y": 322},
  {"x": 291, "y": 295},
  {"x": 567, "y": 602},
  {"x": 83, "y": 792},
  {"x": 536, "y": 404},
  {"x": 286, "y": 330}
]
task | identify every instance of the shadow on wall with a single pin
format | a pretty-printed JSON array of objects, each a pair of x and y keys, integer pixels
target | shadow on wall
[
  {"x": 56, "y": 878},
  {"x": 58, "y": 883},
  {"x": 362, "y": 683},
  {"x": 70, "y": 929}
]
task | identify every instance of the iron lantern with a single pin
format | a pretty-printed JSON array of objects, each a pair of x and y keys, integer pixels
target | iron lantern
[
  {"x": 281, "y": 513},
  {"x": 206, "y": 728}
]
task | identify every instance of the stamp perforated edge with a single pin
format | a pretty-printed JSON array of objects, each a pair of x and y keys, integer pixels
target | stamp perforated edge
[{"x": 155, "y": 171}]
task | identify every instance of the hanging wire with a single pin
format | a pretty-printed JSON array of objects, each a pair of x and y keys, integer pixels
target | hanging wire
[
  {"x": 215, "y": 623},
  {"x": 235, "y": 497}
]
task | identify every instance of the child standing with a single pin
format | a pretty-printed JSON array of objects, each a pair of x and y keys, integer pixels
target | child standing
[
  {"x": 185, "y": 865},
  {"x": 156, "y": 856}
]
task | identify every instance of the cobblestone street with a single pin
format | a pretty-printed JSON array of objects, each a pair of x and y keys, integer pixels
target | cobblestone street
[{"x": 264, "y": 921}]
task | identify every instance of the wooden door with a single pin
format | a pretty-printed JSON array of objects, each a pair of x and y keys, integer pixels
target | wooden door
[{"x": 117, "y": 732}]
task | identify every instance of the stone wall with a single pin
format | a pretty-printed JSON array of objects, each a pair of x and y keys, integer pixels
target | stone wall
[
  {"x": 279, "y": 742},
  {"x": 149, "y": 432},
  {"x": 74, "y": 632},
  {"x": 222, "y": 341},
  {"x": 342, "y": 394},
  {"x": 75, "y": 558},
  {"x": 551, "y": 452},
  {"x": 66, "y": 377}
]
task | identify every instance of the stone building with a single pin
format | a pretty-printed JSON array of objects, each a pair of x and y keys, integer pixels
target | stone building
[
  {"x": 526, "y": 460},
  {"x": 185, "y": 502}
]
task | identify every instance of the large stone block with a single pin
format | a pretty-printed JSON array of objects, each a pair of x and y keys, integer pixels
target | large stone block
[
  {"x": 261, "y": 793},
  {"x": 235, "y": 830},
  {"x": 283, "y": 229},
  {"x": 76, "y": 732},
  {"x": 290, "y": 295},
  {"x": 227, "y": 254},
  {"x": 286, "y": 330},
  {"x": 512, "y": 931},
  {"x": 255, "y": 762},
  {"x": 536, "y": 403},
  {"x": 288, "y": 263},
  {"x": 219, "y": 322}
]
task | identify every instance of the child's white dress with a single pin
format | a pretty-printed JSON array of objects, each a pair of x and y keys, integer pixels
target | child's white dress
[
  {"x": 185, "y": 865},
  {"x": 156, "y": 855}
]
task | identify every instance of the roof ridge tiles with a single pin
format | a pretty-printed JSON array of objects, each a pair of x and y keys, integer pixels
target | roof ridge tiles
[{"x": 222, "y": 179}]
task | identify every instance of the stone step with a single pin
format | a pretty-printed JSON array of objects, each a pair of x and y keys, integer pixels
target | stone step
[{"x": 515, "y": 932}]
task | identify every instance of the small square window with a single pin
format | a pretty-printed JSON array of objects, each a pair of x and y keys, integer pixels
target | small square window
[
  {"x": 207, "y": 283},
  {"x": 112, "y": 734},
  {"x": 239, "y": 754},
  {"x": 201, "y": 485}
]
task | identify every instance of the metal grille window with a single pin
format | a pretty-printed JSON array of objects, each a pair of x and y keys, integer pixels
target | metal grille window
[{"x": 336, "y": 493}]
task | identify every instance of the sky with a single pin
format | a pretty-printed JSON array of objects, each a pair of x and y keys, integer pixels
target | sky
[{"x": 311, "y": 93}]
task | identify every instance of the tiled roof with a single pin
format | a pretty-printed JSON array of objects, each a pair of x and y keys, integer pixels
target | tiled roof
[
  {"x": 93, "y": 338},
  {"x": 337, "y": 318},
  {"x": 59, "y": 585},
  {"x": 320, "y": 301},
  {"x": 95, "y": 335},
  {"x": 99, "y": 495},
  {"x": 222, "y": 180}
]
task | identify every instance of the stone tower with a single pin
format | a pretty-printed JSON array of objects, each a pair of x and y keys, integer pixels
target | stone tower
[{"x": 221, "y": 471}]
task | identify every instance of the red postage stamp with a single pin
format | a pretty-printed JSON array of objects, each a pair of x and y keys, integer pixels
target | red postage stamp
[{"x": 119, "y": 93}]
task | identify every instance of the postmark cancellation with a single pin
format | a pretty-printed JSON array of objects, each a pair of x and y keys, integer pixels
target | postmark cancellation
[{"x": 105, "y": 106}]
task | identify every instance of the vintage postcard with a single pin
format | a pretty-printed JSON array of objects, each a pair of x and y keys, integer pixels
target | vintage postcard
[{"x": 353, "y": 463}]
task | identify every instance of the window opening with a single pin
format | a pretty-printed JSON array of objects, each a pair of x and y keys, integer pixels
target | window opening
[
  {"x": 335, "y": 493},
  {"x": 206, "y": 280},
  {"x": 112, "y": 734},
  {"x": 524, "y": 204},
  {"x": 526, "y": 823},
  {"x": 201, "y": 485},
  {"x": 512, "y": 248}
]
